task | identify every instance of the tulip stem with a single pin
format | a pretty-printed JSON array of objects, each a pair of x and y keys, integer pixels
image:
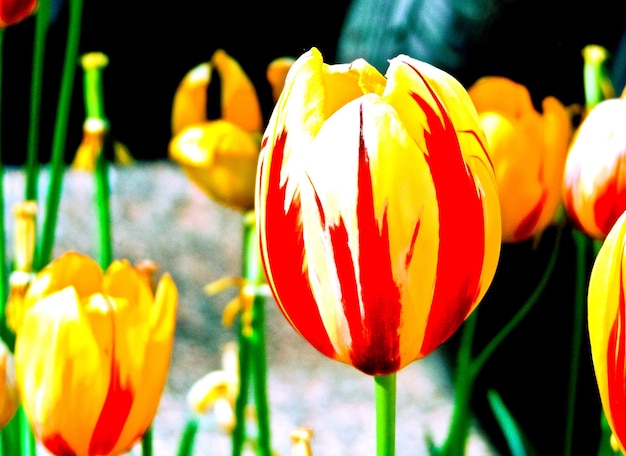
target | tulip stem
[
  {"x": 469, "y": 367},
  {"x": 385, "y": 394},
  {"x": 252, "y": 350},
  {"x": 60, "y": 133},
  {"x": 32, "y": 159},
  {"x": 93, "y": 93},
  {"x": 581, "y": 242}
]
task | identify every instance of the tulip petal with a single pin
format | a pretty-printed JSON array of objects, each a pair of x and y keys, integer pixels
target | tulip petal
[{"x": 606, "y": 318}]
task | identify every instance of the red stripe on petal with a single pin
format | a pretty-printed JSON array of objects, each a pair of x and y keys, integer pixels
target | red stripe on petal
[
  {"x": 610, "y": 203},
  {"x": 57, "y": 445},
  {"x": 374, "y": 319},
  {"x": 285, "y": 263},
  {"x": 615, "y": 366},
  {"x": 113, "y": 416},
  {"x": 461, "y": 228},
  {"x": 528, "y": 224}
]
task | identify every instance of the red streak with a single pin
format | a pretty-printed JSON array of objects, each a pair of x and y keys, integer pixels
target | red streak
[
  {"x": 528, "y": 224},
  {"x": 115, "y": 410},
  {"x": 615, "y": 365},
  {"x": 58, "y": 446},
  {"x": 285, "y": 263},
  {"x": 461, "y": 228}
]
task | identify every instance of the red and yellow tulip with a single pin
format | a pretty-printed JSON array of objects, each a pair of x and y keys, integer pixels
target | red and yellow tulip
[
  {"x": 92, "y": 354},
  {"x": 220, "y": 154},
  {"x": 528, "y": 151},
  {"x": 14, "y": 11},
  {"x": 377, "y": 209},
  {"x": 594, "y": 185},
  {"x": 607, "y": 323}
]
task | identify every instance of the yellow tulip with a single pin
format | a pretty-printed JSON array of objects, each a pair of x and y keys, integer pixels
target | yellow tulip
[
  {"x": 220, "y": 154},
  {"x": 92, "y": 354},
  {"x": 607, "y": 322},
  {"x": 377, "y": 209},
  {"x": 528, "y": 151}
]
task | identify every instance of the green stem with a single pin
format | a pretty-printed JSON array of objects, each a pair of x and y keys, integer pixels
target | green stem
[
  {"x": 467, "y": 369},
  {"x": 4, "y": 288},
  {"x": 239, "y": 432},
  {"x": 255, "y": 336},
  {"x": 59, "y": 137},
  {"x": 596, "y": 80},
  {"x": 104, "y": 212},
  {"x": 93, "y": 93},
  {"x": 385, "y": 394},
  {"x": 146, "y": 443},
  {"x": 581, "y": 242},
  {"x": 465, "y": 377},
  {"x": 187, "y": 441},
  {"x": 486, "y": 353},
  {"x": 32, "y": 160}
]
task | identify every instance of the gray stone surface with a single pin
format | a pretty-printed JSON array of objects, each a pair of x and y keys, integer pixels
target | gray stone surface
[{"x": 159, "y": 215}]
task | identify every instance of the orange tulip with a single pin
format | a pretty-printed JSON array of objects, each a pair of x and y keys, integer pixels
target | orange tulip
[
  {"x": 528, "y": 151},
  {"x": 92, "y": 354},
  {"x": 595, "y": 172},
  {"x": 377, "y": 209},
  {"x": 607, "y": 320},
  {"x": 14, "y": 11}
]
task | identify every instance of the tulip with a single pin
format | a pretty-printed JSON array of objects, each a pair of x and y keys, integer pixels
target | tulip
[
  {"x": 9, "y": 399},
  {"x": 594, "y": 184},
  {"x": 92, "y": 354},
  {"x": 377, "y": 209},
  {"x": 14, "y": 11},
  {"x": 606, "y": 318},
  {"x": 528, "y": 151},
  {"x": 219, "y": 151}
]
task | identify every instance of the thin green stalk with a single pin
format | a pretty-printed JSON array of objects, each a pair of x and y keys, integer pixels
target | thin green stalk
[
  {"x": 146, "y": 443},
  {"x": 254, "y": 334},
  {"x": 465, "y": 377},
  {"x": 491, "y": 347},
  {"x": 596, "y": 80},
  {"x": 3, "y": 260},
  {"x": 385, "y": 395},
  {"x": 581, "y": 242},
  {"x": 468, "y": 367},
  {"x": 188, "y": 438},
  {"x": 241, "y": 403},
  {"x": 60, "y": 134},
  {"x": 39, "y": 47},
  {"x": 93, "y": 93}
]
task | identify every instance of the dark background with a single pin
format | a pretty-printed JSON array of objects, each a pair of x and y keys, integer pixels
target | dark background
[{"x": 535, "y": 42}]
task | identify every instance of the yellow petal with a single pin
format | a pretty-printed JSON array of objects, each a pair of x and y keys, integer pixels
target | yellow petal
[{"x": 221, "y": 159}]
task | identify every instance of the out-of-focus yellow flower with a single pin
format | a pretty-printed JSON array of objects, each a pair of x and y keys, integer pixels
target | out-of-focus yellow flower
[
  {"x": 607, "y": 323},
  {"x": 277, "y": 73},
  {"x": 371, "y": 189},
  {"x": 219, "y": 151},
  {"x": 301, "y": 439},
  {"x": 594, "y": 184},
  {"x": 528, "y": 151},
  {"x": 96, "y": 129},
  {"x": 9, "y": 398},
  {"x": 24, "y": 233},
  {"x": 218, "y": 390},
  {"x": 92, "y": 354},
  {"x": 14, "y": 11}
]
